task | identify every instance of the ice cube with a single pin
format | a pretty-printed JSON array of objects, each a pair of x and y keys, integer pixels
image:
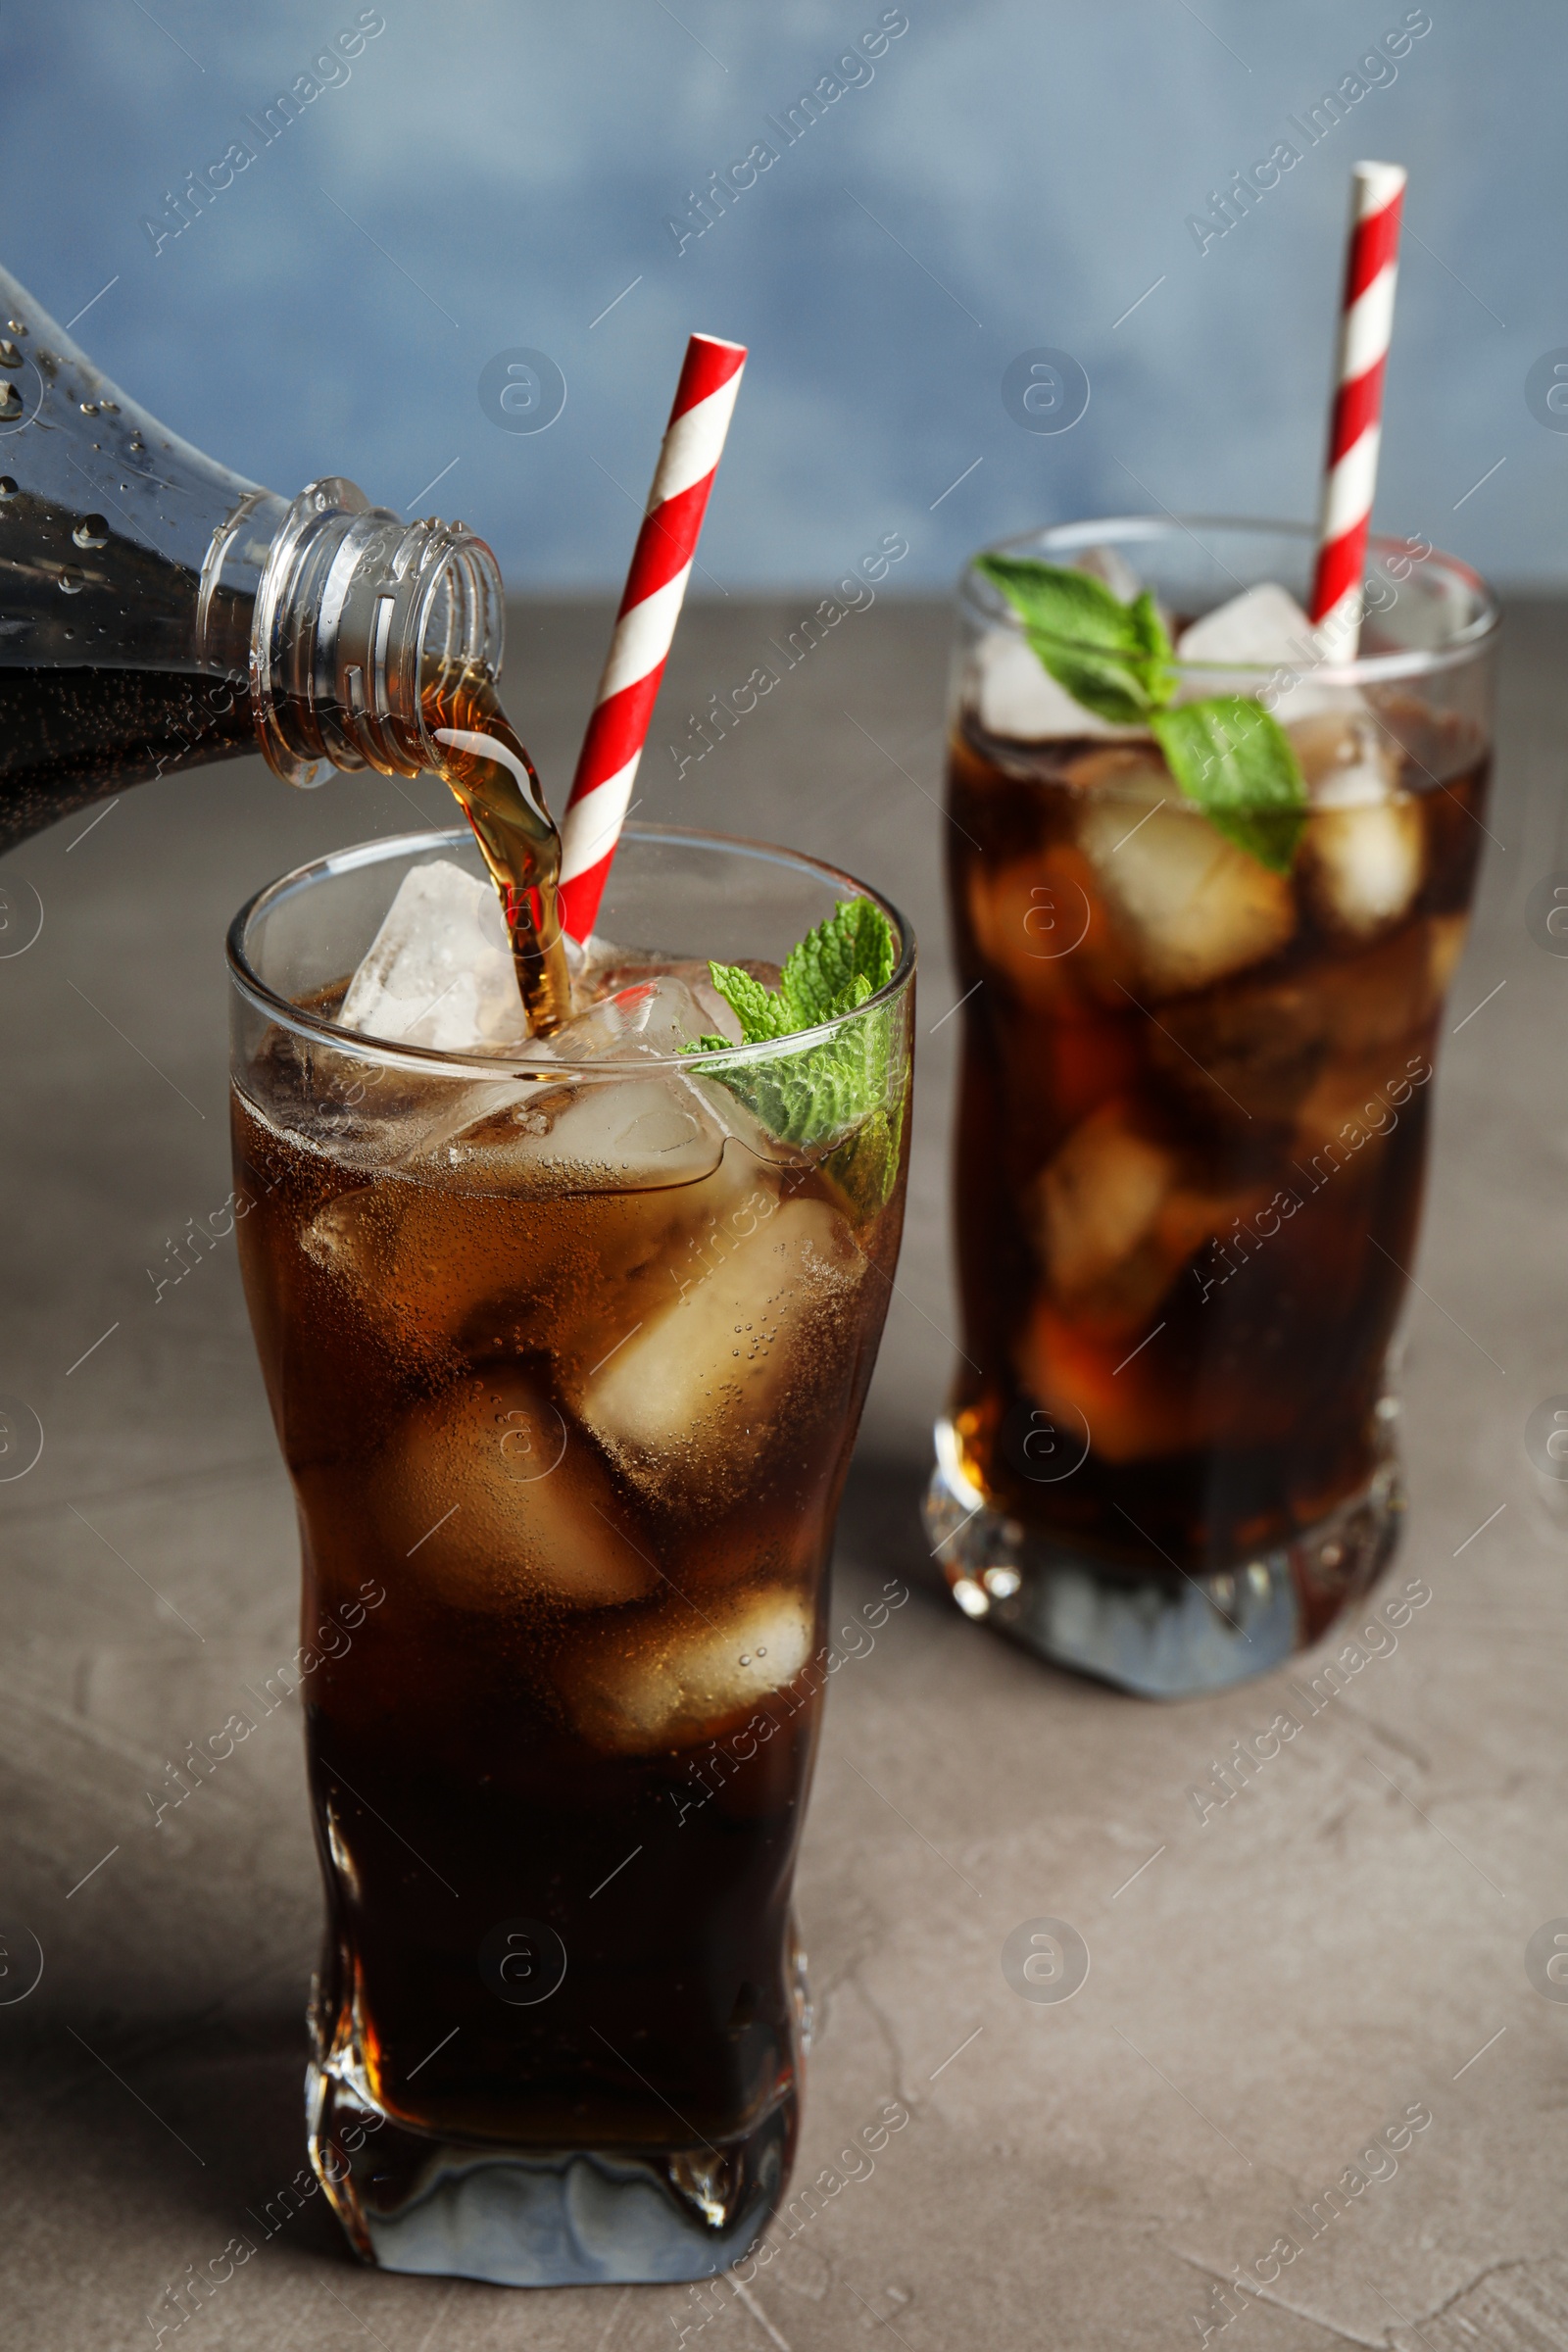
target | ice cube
[
  {"x": 1117, "y": 1219},
  {"x": 439, "y": 971},
  {"x": 1189, "y": 905},
  {"x": 1363, "y": 854},
  {"x": 1362, "y": 866},
  {"x": 1136, "y": 775},
  {"x": 1088, "y": 1392},
  {"x": 1130, "y": 1394},
  {"x": 341, "y": 1237},
  {"x": 498, "y": 1242},
  {"x": 1020, "y": 700},
  {"x": 1098, "y": 1200},
  {"x": 618, "y": 1134},
  {"x": 1037, "y": 922},
  {"x": 433, "y": 1270},
  {"x": 1264, "y": 625},
  {"x": 1347, "y": 760},
  {"x": 1378, "y": 1011},
  {"x": 1262, "y": 628},
  {"x": 695, "y": 1671},
  {"x": 622, "y": 1132},
  {"x": 761, "y": 1323},
  {"x": 1119, "y": 1385},
  {"x": 656, "y": 1018},
  {"x": 1248, "y": 1055},
  {"x": 486, "y": 1498},
  {"x": 1039, "y": 919},
  {"x": 1108, "y": 564}
]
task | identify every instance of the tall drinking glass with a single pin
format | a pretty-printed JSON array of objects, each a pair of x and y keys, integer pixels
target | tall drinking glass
[
  {"x": 1193, "y": 1118},
  {"x": 566, "y": 1357}
]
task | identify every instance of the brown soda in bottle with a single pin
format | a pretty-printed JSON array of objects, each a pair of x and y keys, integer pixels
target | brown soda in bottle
[{"x": 158, "y": 612}]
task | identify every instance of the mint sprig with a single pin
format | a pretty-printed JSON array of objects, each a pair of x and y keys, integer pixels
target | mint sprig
[
  {"x": 1110, "y": 657},
  {"x": 1227, "y": 753},
  {"x": 837, "y": 1091},
  {"x": 1235, "y": 760}
]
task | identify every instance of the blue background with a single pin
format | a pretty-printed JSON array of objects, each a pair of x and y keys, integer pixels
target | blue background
[{"x": 1012, "y": 174}]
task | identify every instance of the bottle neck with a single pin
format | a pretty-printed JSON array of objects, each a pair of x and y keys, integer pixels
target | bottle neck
[
  {"x": 355, "y": 617},
  {"x": 151, "y": 600}
]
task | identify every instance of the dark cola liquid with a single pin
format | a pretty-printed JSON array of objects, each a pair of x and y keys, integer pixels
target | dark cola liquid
[
  {"x": 70, "y": 737},
  {"x": 575, "y": 1731},
  {"x": 1192, "y": 1133}
]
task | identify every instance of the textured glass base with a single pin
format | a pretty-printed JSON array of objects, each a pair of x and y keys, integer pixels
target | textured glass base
[
  {"x": 575, "y": 2216},
  {"x": 1158, "y": 1634}
]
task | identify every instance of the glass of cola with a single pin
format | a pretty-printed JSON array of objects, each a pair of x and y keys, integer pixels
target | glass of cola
[
  {"x": 566, "y": 1342},
  {"x": 1208, "y": 889}
]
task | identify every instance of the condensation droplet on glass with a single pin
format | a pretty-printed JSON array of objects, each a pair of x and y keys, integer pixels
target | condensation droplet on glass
[
  {"x": 10, "y": 401},
  {"x": 91, "y": 531},
  {"x": 746, "y": 1657},
  {"x": 9, "y": 355},
  {"x": 71, "y": 582},
  {"x": 8, "y": 488},
  {"x": 89, "y": 408},
  {"x": 18, "y": 327}
]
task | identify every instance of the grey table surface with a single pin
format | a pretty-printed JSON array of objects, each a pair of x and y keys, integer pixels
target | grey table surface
[{"x": 1269, "y": 1988}]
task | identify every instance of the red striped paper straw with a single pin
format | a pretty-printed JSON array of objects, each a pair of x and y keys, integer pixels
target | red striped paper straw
[
  {"x": 660, "y": 567},
  {"x": 1367, "y": 320}
]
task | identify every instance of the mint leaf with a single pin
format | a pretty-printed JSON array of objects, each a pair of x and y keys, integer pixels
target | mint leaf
[
  {"x": 838, "y": 1089},
  {"x": 832, "y": 969},
  {"x": 866, "y": 1166},
  {"x": 1228, "y": 753},
  {"x": 839, "y": 963},
  {"x": 1143, "y": 613},
  {"x": 1112, "y": 658},
  {"x": 1235, "y": 760},
  {"x": 761, "y": 1013}
]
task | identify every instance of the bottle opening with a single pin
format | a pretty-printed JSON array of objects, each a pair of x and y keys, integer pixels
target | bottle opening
[{"x": 357, "y": 613}]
